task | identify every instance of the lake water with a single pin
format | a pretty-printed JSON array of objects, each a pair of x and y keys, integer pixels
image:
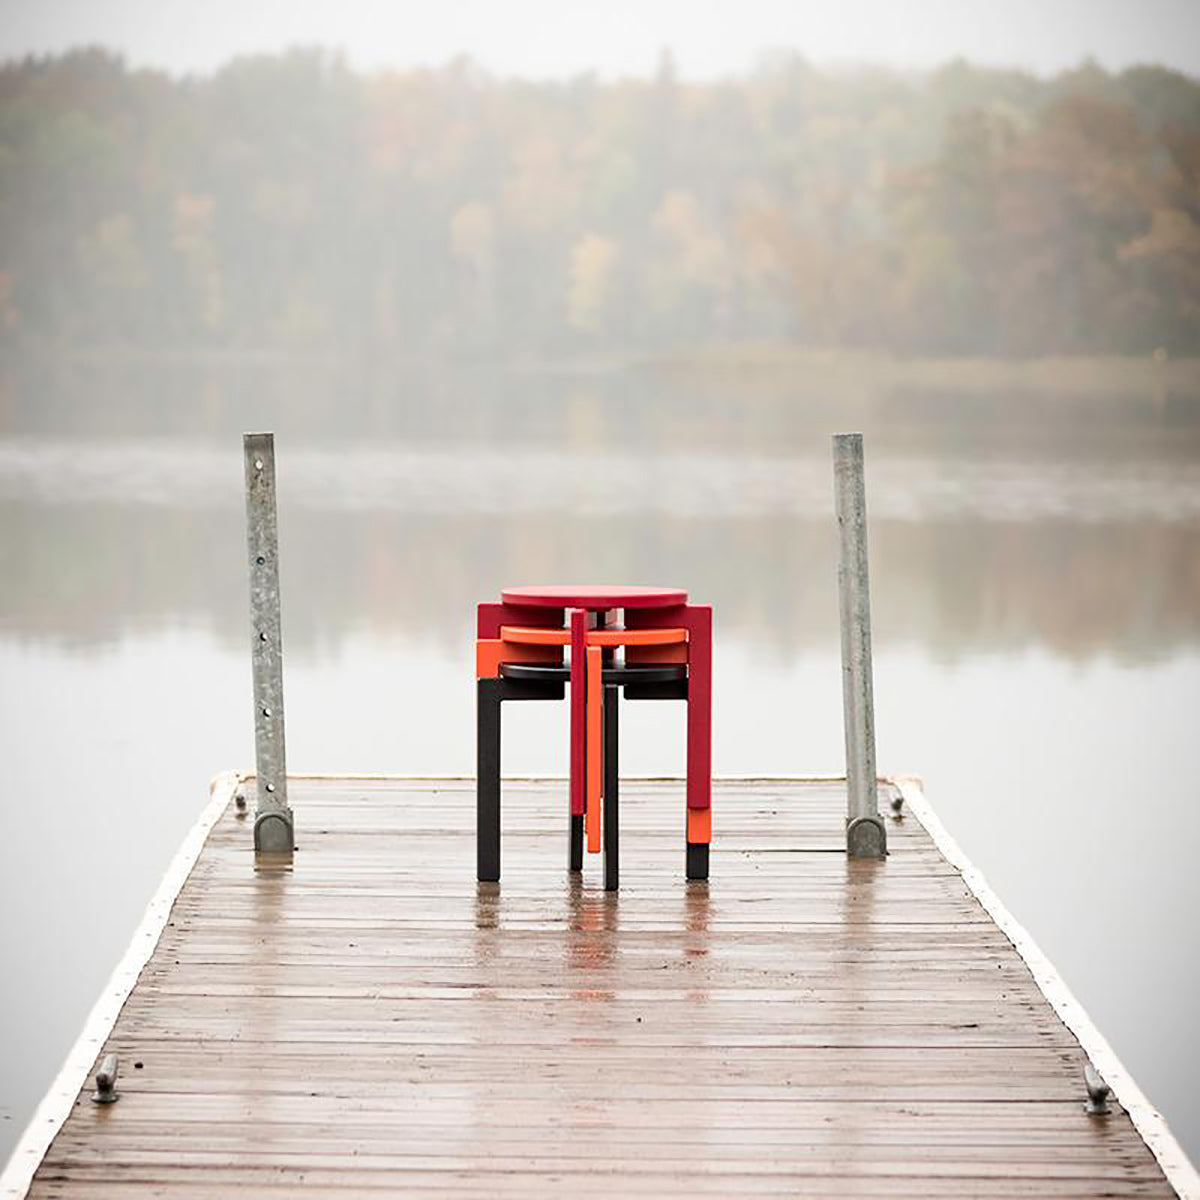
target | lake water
[{"x": 1036, "y": 588}]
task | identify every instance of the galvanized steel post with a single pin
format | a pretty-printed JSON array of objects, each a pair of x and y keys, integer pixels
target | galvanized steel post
[
  {"x": 273, "y": 830},
  {"x": 866, "y": 836}
]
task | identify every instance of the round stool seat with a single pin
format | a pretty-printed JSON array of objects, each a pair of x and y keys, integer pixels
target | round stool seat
[
  {"x": 665, "y": 673},
  {"x": 593, "y": 596}
]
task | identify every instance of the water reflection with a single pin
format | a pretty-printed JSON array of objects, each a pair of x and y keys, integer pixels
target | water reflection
[
  {"x": 83, "y": 575},
  {"x": 1069, "y": 521},
  {"x": 593, "y": 918},
  {"x": 1061, "y": 412},
  {"x": 524, "y": 481}
]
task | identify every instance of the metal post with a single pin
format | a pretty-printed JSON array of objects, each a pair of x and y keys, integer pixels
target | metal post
[
  {"x": 273, "y": 829},
  {"x": 866, "y": 836}
]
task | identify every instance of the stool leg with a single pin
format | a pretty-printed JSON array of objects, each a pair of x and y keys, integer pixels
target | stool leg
[
  {"x": 699, "y": 706},
  {"x": 578, "y": 703},
  {"x": 487, "y": 780},
  {"x": 612, "y": 856},
  {"x": 697, "y": 620},
  {"x": 593, "y": 813},
  {"x": 575, "y": 844},
  {"x": 699, "y": 834}
]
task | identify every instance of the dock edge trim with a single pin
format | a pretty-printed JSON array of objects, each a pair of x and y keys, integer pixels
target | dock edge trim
[
  {"x": 56, "y": 1105},
  {"x": 1148, "y": 1121}
]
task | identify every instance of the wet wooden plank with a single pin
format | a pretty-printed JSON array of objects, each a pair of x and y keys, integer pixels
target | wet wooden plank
[{"x": 372, "y": 1022}]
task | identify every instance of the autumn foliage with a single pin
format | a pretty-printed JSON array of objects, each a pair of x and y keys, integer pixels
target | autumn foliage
[{"x": 289, "y": 203}]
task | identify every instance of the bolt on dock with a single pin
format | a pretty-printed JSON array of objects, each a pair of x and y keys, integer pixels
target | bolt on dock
[{"x": 371, "y": 1021}]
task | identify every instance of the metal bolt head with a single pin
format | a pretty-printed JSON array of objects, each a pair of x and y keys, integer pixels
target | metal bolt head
[
  {"x": 1097, "y": 1092},
  {"x": 106, "y": 1081}
]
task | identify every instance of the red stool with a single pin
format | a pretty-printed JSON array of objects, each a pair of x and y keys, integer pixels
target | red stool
[{"x": 667, "y": 654}]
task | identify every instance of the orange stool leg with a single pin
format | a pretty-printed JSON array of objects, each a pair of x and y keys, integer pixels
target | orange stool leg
[
  {"x": 578, "y": 787},
  {"x": 595, "y": 745}
]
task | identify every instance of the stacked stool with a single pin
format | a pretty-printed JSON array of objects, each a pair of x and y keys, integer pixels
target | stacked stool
[{"x": 539, "y": 641}]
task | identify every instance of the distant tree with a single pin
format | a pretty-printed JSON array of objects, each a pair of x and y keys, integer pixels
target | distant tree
[
  {"x": 590, "y": 291},
  {"x": 287, "y": 200}
]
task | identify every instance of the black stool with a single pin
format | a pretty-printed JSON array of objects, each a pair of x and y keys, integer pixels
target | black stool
[{"x": 530, "y": 681}]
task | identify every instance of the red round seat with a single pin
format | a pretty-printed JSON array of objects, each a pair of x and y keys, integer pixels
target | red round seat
[{"x": 594, "y": 597}]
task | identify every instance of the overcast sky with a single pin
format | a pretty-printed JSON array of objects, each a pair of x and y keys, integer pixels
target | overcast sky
[{"x": 564, "y": 37}]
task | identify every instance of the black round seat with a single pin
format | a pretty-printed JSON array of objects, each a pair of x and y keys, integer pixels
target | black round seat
[{"x": 547, "y": 672}]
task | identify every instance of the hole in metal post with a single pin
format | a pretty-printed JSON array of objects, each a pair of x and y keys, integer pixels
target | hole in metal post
[
  {"x": 270, "y": 787},
  {"x": 260, "y": 560},
  {"x": 258, "y": 464},
  {"x": 262, "y": 637},
  {"x": 266, "y": 712}
]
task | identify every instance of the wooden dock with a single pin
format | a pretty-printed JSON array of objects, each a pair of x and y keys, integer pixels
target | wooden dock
[{"x": 373, "y": 1022}]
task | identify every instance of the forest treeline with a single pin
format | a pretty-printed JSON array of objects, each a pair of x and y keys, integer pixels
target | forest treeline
[{"x": 290, "y": 203}]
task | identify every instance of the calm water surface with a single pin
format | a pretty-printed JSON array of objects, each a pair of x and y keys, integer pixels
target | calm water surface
[{"x": 1036, "y": 571}]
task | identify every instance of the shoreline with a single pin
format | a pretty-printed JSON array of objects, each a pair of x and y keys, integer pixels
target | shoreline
[
  {"x": 761, "y": 369},
  {"x": 770, "y": 363}
]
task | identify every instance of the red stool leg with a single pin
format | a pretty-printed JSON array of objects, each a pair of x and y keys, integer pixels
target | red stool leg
[
  {"x": 699, "y": 738},
  {"x": 697, "y": 620},
  {"x": 699, "y": 733}
]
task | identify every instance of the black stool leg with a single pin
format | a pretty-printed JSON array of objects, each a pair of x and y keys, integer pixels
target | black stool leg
[
  {"x": 487, "y": 780},
  {"x": 575, "y": 844},
  {"x": 612, "y": 773},
  {"x": 697, "y": 860}
]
